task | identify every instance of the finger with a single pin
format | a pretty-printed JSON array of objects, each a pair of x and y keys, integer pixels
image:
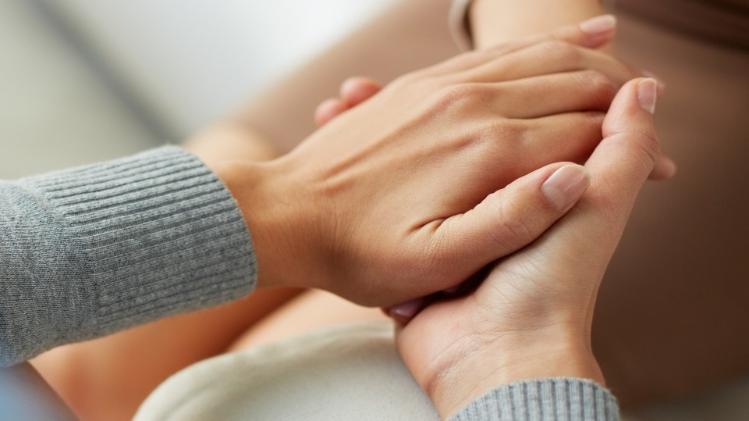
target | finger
[
  {"x": 593, "y": 33},
  {"x": 547, "y": 58},
  {"x": 513, "y": 217},
  {"x": 629, "y": 134},
  {"x": 586, "y": 239},
  {"x": 404, "y": 312},
  {"x": 356, "y": 90},
  {"x": 572, "y": 137},
  {"x": 329, "y": 109},
  {"x": 557, "y": 93},
  {"x": 665, "y": 169},
  {"x": 559, "y": 137}
]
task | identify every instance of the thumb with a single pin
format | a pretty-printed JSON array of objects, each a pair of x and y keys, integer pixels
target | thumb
[
  {"x": 629, "y": 150},
  {"x": 511, "y": 218},
  {"x": 583, "y": 243}
]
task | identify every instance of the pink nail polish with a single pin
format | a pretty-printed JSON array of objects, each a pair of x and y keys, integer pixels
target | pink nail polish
[
  {"x": 661, "y": 83},
  {"x": 407, "y": 310},
  {"x": 598, "y": 25},
  {"x": 565, "y": 186},
  {"x": 647, "y": 94}
]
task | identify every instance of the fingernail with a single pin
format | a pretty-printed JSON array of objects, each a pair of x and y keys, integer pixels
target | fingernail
[
  {"x": 406, "y": 310},
  {"x": 452, "y": 291},
  {"x": 661, "y": 83},
  {"x": 565, "y": 186},
  {"x": 599, "y": 25},
  {"x": 647, "y": 94},
  {"x": 670, "y": 167}
]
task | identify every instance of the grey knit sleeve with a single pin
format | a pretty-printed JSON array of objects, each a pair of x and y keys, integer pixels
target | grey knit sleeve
[
  {"x": 552, "y": 399},
  {"x": 93, "y": 250}
]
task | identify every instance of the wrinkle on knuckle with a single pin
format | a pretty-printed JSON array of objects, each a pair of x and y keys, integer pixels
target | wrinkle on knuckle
[
  {"x": 461, "y": 95},
  {"x": 643, "y": 144},
  {"x": 600, "y": 85},
  {"x": 514, "y": 227},
  {"x": 502, "y": 132}
]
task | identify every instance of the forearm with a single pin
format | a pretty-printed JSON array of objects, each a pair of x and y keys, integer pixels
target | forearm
[{"x": 496, "y": 21}]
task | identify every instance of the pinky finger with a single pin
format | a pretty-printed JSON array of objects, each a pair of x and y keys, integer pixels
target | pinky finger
[
  {"x": 665, "y": 168},
  {"x": 328, "y": 110},
  {"x": 356, "y": 90}
]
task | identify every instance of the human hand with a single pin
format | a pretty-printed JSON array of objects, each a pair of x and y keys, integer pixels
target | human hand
[
  {"x": 531, "y": 316},
  {"x": 369, "y": 191}
]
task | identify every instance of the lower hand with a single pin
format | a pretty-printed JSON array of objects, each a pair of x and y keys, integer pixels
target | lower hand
[{"x": 531, "y": 315}]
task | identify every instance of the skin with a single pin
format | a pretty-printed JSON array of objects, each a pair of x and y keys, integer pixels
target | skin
[
  {"x": 514, "y": 331},
  {"x": 88, "y": 390},
  {"x": 322, "y": 201},
  {"x": 234, "y": 139},
  {"x": 668, "y": 301},
  {"x": 532, "y": 315}
]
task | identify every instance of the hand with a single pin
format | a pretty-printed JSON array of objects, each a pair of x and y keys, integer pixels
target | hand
[
  {"x": 354, "y": 91},
  {"x": 531, "y": 316},
  {"x": 408, "y": 186}
]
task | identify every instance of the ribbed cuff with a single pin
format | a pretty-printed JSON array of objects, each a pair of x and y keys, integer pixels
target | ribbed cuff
[
  {"x": 158, "y": 234},
  {"x": 549, "y": 399}
]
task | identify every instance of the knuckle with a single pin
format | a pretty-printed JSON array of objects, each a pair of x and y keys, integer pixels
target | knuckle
[
  {"x": 502, "y": 137},
  {"x": 599, "y": 84},
  {"x": 502, "y": 130},
  {"x": 513, "y": 225},
  {"x": 645, "y": 144},
  {"x": 461, "y": 95}
]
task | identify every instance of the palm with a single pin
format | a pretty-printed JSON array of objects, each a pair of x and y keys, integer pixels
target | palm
[{"x": 515, "y": 298}]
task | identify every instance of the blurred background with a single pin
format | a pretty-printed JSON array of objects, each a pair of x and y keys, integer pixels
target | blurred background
[{"x": 86, "y": 80}]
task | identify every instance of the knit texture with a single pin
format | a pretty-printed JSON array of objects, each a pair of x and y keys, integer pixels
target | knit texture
[
  {"x": 552, "y": 399},
  {"x": 93, "y": 250}
]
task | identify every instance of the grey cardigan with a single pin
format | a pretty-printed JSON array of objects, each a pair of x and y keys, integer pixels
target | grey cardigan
[{"x": 89, "y": 251}]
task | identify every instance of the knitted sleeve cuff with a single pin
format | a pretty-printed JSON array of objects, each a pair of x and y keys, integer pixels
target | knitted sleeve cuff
[
  {"x": 549, "y": 399},
  {"x": 125, "y": 242}
]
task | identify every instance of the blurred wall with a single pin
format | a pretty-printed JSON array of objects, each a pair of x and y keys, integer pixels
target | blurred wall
[
  {"x": 84, "y": 80},
  {"x": 191, "y": 60}
]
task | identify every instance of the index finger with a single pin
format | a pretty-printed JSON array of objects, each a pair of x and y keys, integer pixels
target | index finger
[{"x": 592, "y": 33}]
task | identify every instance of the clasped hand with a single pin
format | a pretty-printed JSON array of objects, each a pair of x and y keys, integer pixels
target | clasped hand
[{"x": 468, "y": 167}]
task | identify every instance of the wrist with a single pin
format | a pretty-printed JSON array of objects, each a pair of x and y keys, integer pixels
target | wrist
[
  {"x": 514, "y": 357},
  {"x": 258, "y": 190},
  {"x": 496, "y": 21}
]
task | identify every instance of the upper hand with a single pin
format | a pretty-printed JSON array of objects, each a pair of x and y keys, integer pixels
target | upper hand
[{"x": 403, "y": 196}]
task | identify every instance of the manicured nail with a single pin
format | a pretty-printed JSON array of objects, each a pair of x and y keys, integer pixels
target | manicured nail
[
  {"x": 599, "y": 25},
  {"x": 647, "y": 94},
  {"x": 669, "y": 168},
  {"x": 452, "y": 290},
  {"x": 565, "y": 186},
  {"x": 661, "y": 83},
  {"x": 406, "y": 310}
]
